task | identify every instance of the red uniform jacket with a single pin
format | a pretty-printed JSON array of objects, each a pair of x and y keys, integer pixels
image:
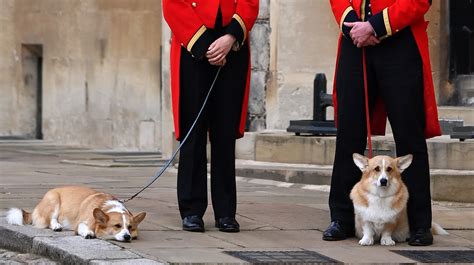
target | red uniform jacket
[
  {"x": 190, "y": 20},
  {"x": 389, "y": 17}
]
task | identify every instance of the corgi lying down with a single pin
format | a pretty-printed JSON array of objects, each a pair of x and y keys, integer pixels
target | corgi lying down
[
  {"x": 88, "y": 212},
  {"x": 380, "y": 201}
]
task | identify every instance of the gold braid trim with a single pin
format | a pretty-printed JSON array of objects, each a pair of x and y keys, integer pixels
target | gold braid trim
[
  {"x": 386, "y": 20},
  {"x": 242, "y": 24},
  {"x": 344, "y": 15},
  {"x": 196, "y": 36}
]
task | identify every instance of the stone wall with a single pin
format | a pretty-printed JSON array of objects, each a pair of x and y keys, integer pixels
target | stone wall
[
  {"x": 260, "y": 45},
  {"x": 102, "y": 61},
  {"x": 438, "y": 35},
  {"x": 9, "y": 120},
  {"x": 101, "y": 70},
  {"x": 303, "y": 42}
]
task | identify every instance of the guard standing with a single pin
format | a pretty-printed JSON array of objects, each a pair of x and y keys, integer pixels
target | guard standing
[
  {"x": 208, "y": 34},
  {"x": 400, "y": 86}
]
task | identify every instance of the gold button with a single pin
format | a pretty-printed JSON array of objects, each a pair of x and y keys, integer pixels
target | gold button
[{"x": 194, "y": 4}]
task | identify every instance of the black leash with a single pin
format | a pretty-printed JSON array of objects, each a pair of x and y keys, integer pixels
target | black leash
[{"x": 159, "y": 173}]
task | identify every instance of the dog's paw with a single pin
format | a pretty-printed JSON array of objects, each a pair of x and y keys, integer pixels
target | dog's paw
[
  {"x": 84, "y": 231},
  {"x": 387, "y": 241},
  {"x": 89, "y": 236},
  {"x": 57, "y": 227},
  {"x": 366, "y": 241}
]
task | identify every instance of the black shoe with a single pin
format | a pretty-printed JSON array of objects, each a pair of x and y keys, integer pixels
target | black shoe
[
  {"x": 336, "y": 231},
  {"x": 421, "y": 237},
  {"x": 193, "y": 223},
  {"x": 227, "y": 224}
]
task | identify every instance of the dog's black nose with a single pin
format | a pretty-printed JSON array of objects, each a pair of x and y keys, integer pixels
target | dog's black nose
[
  {"x": 127, "y": 237},
  {"x": 383, "y": 182}
]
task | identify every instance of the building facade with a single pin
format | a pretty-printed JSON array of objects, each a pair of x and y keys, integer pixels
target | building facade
[
  {"x": 96, "y": 72},
  {"x": 82, "y": 72}
]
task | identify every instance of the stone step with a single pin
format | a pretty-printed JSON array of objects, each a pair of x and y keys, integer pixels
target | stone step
[
  {"x": 291, "y": 173},
  {"x": 282, "y": 147},
  {"x": 446, "y": 185},
  {"x": 450, "y": 116},
  {"x": 465, "y": 114}
]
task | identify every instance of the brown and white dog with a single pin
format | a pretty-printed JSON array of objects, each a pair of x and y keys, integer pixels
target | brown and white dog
[
  {"x": 88, "y": 212},
  {"x": 380, "y": 201}
]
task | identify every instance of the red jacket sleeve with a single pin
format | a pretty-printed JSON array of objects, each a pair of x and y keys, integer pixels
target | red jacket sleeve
[
  {"x": 343, "y": 12},
  {"x": 243, "y": 21},
  {"x": 399, "y": 15},
  {"x": 187, "y": 27}
]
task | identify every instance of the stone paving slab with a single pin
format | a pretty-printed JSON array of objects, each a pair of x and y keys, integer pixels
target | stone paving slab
[
  {"x": 194, "y": 255},
  {"x": 112, "y": 163},
  {"x": 176, "y": 239},
  {"x": 459, "y": 219},
  {"x": 278, "y": 239},
  {"x": 125, "y": 262},
  {"x": 467, "y": 234}
]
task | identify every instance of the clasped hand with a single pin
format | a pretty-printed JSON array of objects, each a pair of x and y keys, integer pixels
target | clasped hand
[
  {"x": 218, "y": 50},
  {"x": 362, "y": 34}
]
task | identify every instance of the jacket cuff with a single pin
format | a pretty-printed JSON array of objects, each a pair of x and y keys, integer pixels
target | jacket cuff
[
  {"x": 200, "y": 42},
  {"x": 237, "y": 29},
  {"x": 349, "y": 16},
  {"x": 381, "y": 24}
]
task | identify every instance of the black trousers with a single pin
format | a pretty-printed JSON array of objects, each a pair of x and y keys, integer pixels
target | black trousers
[
  {"x": 221, "y": 118},
  {"x": 394, "y": 73}
]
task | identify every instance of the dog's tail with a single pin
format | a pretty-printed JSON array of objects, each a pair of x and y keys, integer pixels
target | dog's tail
[
  {"x": 16, "y": 216},
  {"x": 436, "y": 229}
]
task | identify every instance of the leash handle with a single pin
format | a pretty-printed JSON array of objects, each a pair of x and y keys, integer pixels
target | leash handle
[
  {"x": 367, "y": 111},
  {"x": 159, "y": 173}
]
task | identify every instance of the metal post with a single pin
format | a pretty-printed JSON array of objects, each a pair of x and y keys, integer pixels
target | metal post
[{"x": 319, "y": 86}]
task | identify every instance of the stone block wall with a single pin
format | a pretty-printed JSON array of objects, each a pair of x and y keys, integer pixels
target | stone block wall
[
  {"x": 101, "y": 70},
  {"x": 260, "y": 45},
  {"x": 303, "y": 43}
]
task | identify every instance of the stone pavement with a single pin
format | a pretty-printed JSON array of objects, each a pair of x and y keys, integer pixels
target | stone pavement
[{"x": 274, "y": 216}]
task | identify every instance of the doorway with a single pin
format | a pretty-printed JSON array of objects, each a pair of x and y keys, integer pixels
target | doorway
[
  {"x": 461, "y": 22},
  {"x": 461, "y": 52},
  {"x": 32, "y": 91}
]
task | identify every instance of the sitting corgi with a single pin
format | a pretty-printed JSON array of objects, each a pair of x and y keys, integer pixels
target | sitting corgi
[
  {"x": 380, "y": 201},
  {"x": 88, "y": 212}
]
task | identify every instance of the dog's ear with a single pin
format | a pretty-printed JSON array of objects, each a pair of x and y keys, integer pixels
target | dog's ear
[
  {"x": 361, "y": 161},
  {"x": 100, "y": 216},
  {"x": 139, "y": 217},
  {"x": 404, "y": 162}
]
